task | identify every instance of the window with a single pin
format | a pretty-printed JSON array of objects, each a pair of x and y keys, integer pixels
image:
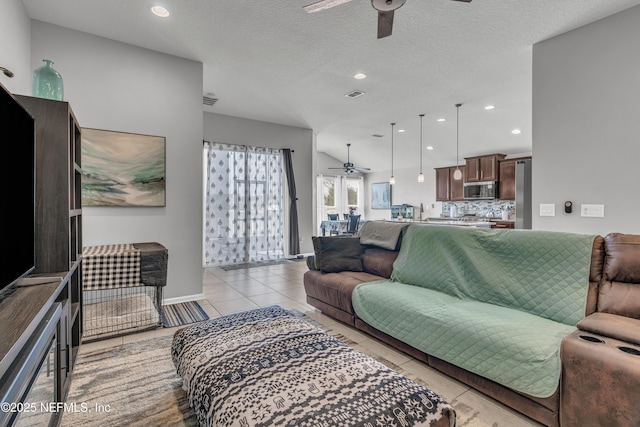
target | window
[{"x": 339, "y": 195}]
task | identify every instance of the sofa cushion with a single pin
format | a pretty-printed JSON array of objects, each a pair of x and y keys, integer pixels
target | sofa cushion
[
  {"x": 513, "y": 348},
  {"x": 334, "y": 254},
  {"x": 335, "y": 288},
  {"x": 378, "y": 261},
  {"x": 619, "y": 291}
]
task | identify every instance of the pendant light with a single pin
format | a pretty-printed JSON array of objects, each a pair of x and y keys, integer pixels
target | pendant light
[
  {"x": 392, "y": 180},
  {"x": 421, "y": 175},
  {"x": 457, "y": 174}
]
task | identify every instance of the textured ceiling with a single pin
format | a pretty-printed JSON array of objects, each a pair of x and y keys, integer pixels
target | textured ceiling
[{"x": 271, "y": 61}]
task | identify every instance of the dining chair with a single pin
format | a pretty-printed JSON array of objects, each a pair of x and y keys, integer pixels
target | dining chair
[
  {"x": 352, "y": 225},
  {"x": 333, "y": 217}
]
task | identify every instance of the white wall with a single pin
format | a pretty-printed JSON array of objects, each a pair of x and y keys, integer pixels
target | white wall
[
  {"x": 15, "y": 46},
  {"x": 406, "y": 190},
  {"x": 586, "y": 129},
  {"x": 325, "y": 161},
  {"x": 240, "y": 131},
  {"x": 115, "y": 86}
]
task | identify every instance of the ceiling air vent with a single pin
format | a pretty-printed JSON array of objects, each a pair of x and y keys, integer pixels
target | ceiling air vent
[
  {"x": 209, "y": 100},
  {"x": 354, "y": 94}
]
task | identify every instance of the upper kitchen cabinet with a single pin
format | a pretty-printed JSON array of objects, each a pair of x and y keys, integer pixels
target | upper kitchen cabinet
[
  {"x": 507, "y": 187},
  {"x": 483, "y": 168},
  {"x": 447, "y": 188},
  {"x": 443, "y": 185}
]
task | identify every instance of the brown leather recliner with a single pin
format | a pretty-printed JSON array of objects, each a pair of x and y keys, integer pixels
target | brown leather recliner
[{"x": 601, "y": 360}]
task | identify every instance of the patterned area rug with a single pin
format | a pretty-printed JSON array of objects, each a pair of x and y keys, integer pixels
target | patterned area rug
[
  {"x": 136, "y": 385},
  {"x": 259, "y": 264},
  {"x": 182, "y": 313}
]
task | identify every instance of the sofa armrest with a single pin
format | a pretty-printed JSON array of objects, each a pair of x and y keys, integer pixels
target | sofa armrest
[{"x": 612, "y": 325}]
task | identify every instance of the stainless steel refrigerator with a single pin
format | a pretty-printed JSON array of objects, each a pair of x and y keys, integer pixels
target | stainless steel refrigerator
[{"x": 523, "y": 194}]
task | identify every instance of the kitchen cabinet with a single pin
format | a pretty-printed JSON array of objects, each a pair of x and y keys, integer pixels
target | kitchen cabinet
[
  {"x": 443, "y": 184},
  {"x": 503, "y": 224},
  {"x": 507, "y": 187},
  {"x": 483, "y": 168},
  {"x": 456, "y": 186},
  {"x": 447, "y": 188}
]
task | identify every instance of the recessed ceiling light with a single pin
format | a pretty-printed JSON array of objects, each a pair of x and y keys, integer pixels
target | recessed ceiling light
[
  {"x": 442, "y": 119},
  {"x": 516, "y": 131},
  {"x": 160, "y": 11},
  {"x": 429, "y": 147},
  {"x": 401, "y": 130},
  {"x": 360, "y": 76},
  {"x": 489, "y": 107}
]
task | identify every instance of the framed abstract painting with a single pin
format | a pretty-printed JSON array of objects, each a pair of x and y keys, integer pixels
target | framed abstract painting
[
  {"x": 122, "y": 169},
  {"x": 380, "y": 195}
]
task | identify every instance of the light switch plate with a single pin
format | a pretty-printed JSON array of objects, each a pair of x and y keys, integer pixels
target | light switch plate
[
  {"x": 592, "y": 211},
  {"x": 547, "y": 209}
]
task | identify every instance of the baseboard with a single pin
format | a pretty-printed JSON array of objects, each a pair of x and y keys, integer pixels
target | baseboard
[{"x": 196, "y": 297}]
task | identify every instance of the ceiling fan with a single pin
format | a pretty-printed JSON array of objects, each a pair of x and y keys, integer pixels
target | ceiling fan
[
  {"x": 349, "y": 167},
  {"x": 385, "y": 9}
]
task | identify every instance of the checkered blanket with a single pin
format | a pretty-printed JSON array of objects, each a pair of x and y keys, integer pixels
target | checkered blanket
[{"x": 110, "y": 266}]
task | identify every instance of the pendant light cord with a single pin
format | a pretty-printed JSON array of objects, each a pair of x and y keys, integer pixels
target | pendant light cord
[
  {"x": 421, "y": 117},
  {"x": 392, "y": 125},
  {"x": 458, "y": 135}
]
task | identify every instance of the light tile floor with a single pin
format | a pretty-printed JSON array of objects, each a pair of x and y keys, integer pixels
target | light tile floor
[{"x": 237, "y": 290}]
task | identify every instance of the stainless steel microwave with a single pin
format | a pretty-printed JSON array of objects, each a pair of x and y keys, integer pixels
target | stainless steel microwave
[{"x": 480, "y": 190}]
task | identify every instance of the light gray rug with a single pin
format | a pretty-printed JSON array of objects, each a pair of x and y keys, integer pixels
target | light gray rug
[{"x": 135, "y": 382}]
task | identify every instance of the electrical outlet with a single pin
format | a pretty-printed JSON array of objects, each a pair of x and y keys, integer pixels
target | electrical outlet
[
  {"x": 547, "y": 209},
  {"x": 592, "y": 211}
]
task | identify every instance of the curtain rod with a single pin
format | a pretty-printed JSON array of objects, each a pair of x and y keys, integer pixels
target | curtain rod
[{"x": 204, "y": 141}]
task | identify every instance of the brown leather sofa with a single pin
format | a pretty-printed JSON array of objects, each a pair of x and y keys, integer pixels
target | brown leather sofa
[{"x": 600, "y": 380}]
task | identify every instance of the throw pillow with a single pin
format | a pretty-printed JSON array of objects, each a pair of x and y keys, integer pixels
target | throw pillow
[
  {"x": 334, "y": 254},
  {"x": 311, "y": 262}
]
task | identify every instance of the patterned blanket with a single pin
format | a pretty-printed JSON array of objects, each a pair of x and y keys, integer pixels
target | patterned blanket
[{"x": 270, "y": 367}]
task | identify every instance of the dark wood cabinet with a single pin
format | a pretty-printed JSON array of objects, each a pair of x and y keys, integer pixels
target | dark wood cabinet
[
  {"x": 457, "y": 186},
  {"x": 447, "y": 188},
  {"x": 507, "y": 187},
  {"x": 483, "y": 168},
  {"x": 58, "y": 233},
  {"x": 443, "y": 184},
  {"x": 503, "y": 224}
]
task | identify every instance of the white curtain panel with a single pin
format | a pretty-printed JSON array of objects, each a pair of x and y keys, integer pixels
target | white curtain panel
[{"x": 244, "y": 204}]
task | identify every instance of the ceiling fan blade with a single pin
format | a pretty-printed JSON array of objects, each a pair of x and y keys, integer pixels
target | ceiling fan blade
[
  {"x": 464, "y": 1},
  {"x": 385, "y": 23},
  {"x": 361, "y": 169},
  {"x": 323, "y": 5}
]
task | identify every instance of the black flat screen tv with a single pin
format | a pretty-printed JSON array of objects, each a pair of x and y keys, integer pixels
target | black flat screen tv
[{"x": 17, "y": 174}]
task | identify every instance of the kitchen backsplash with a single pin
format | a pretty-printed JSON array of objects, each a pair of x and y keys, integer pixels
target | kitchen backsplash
[{"x": 481, "y": 208}]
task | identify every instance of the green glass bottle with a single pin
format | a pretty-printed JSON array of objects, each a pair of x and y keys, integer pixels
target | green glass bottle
[{"x": 47, "y": 82}]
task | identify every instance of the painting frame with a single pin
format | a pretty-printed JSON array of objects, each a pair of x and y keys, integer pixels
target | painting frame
[
  {"x": 380, "y": 195},
  {"x": 121, "y": 169}
]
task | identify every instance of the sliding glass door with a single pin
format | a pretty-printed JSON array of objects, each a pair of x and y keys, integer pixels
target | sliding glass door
[{"x": 244, "y": 204}]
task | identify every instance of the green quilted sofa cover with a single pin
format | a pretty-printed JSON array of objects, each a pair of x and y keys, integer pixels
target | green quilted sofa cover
[{"x": 494, "y": 302}]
